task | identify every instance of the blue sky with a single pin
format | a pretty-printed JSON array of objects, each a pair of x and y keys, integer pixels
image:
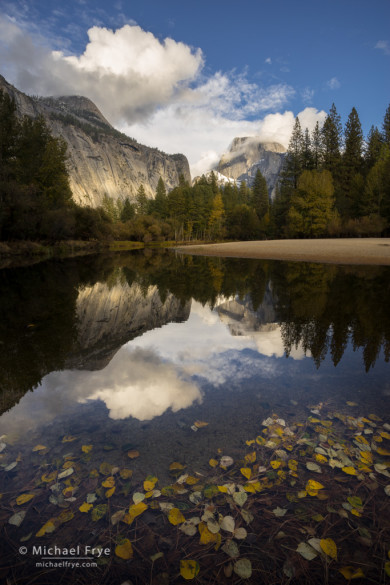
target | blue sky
[{"x": 190, "y": 76}]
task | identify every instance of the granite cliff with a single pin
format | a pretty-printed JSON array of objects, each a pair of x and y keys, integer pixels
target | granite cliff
[
  {"x": 102, "y": 160},
  {"x": 246, "y": 155}
]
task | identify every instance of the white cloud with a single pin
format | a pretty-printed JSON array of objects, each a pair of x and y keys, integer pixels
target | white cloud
[
  {"x": 333, "y": 83},
  {"x": 268, "y": 61},
  {"x": 154, "y": 90},
  {"x": 307, "y": 95},
  {"x": 383, "y": 46}
]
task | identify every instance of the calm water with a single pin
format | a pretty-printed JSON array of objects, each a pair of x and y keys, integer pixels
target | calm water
[{"x": 110, "y": 355}]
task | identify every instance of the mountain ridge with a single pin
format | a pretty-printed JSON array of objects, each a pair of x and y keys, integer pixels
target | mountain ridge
[{"x": 102, "y": 160}]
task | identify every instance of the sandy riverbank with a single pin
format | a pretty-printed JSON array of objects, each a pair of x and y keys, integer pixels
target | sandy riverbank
[{"x": 334, "y": 251}]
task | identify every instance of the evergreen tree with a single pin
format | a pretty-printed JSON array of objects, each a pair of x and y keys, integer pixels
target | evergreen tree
[
  {"x": 307, "y": 154},
  {"x": 160, "y": 200},
  {"x": 260, "y": 197},
  {"x": 316, "y": 147},
  {"x": 373, "y": 147},
  {"x": 128, "y": 211},
  {"x": 386, "y": 127},
  {"x": 142, "y": 202},
  {"x": 294, "y": 161},
  {"x": 217, "y": 216},
  {"x": 9, "y": 132},
  {"x": 332, "y": 142},
  {"x": 352, "y": 160}
]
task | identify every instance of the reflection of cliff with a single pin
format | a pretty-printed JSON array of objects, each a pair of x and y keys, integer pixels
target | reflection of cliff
[
  {"x": 260, "y": 325},
  {"x": 242, "y": 319},
  {"x": 109, "y": 316}
]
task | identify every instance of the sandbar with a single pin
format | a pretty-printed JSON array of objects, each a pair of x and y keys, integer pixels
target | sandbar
[{"x": 332, "y": 251}]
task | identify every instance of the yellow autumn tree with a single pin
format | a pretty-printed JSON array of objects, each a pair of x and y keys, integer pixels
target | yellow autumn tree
[{"x": 217, "y": 218}]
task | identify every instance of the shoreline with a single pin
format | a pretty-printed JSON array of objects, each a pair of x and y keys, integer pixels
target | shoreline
[{"x": 373, "y": 251}]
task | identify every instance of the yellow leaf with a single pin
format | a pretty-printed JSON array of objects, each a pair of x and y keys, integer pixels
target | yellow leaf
[
  {"x": 86, "y": 448},
  {"x": 351, "y": 573},
  {"x": 205, "y": 535},
  {"x": 126, "y": 473},
  {"x": 313, "y": 486},
  {"x": 68, "y": 464},
  {"x": 246, "y": 472},
  {"x": 175, "y": 516},
  {"x": 377, "y": 439},
  {"x": 110, "y": 492},
  {"x": 39, "y": 447},
  {"x": 385, "y": 435},
  {"x": 329, "y": 547},
  {"x": 351, "y": 403},
  {"x": 248, "y": 487},
  {"x": 133, "y": 454},
  {"x": 374, "y": 417},
  {"x": 22, "y": 499},
  {"x": 366, "y": 457},
  {"x": 68, "y": 439},
  {"x": 349, "y": 470},
  {"x": 292, "y": 464},
  {"x": 223, "y": 489},
  {"x": 65, "y": 516},
  {"x": 213, "y": 462},
  {"x": 361, "y": 439},
  {"x": 134, "y": 511},
  {"x": 189, "y": 569},
  {"x": 85, "y": 507},
  {"x": 250, "y": 457},
  {"x": 109, "y": 482},
  {"x": 124, "y": 550},
  {"x": 46, "y": 528},
  {"x": 175, "y": 465},
  {"x": 191, "y": 480},
  {"x": 149, "y": 483},
  {"x": 260, "y": 440},
  {"x": 199, "y": 424},
  {"x": 250, "y": 442},
  {"x": 356, "y": 512},
  {"x": 275, "y": 464},
  {"x": 320, "y": 458},
  {"x": 382, "y": 451},
  {"x": 49, "y": 477}
]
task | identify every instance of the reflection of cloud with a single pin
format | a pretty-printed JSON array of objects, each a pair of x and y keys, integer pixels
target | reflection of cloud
[
  {"x": 141, "y": 385},
  {"x": 135, "y": 383}
]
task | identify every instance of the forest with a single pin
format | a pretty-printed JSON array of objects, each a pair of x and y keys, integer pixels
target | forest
[{"x": 334, "y": 183}]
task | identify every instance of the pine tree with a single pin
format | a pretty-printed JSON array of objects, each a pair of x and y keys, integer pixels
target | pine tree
[
  {"x": 142, "y": 203},
  {"x": 317, "y": 148},
  {"x": 307, "y": 154},
  {"x": 294, "y": 161},
  {"x": 386, "y": 127},
  {"x": 260, "y": 197},
  {"x": 352, "y": 160},
  {"x": 160, "y": 200},
  {"x": 128, "y": 211},
  {"x": 373, "y": 147},
  {"x": 332, "y": 142}
]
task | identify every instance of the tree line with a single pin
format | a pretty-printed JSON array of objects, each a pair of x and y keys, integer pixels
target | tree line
[{"x": 333, "y": 183}]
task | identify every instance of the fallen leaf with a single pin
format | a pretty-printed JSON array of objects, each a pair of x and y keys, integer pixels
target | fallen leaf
[
  {"x": 23, "y": 498},
  {"x": 150, "y": 482},
  {"x": 246, "y": 472},
  {"x": 329, "y": 547},
  {"x": 39, "y": 447},
  {"x": 133, "y": 454},
  {"x": 351, "y": 573},
  {"x": 124, "y": 550},
  {"x": 86, "y": 448},
  {"x": 231, "y": 549},
  {"x": 307, "y": 551},
  {"x": 189, "y": 569},
  {"x": 200, "y": 424},
  {"x": 85, "y": 507},
  {"x": 175, "y": 517},
  {"x": 47, "y": 528},
  {"x": 213, "y": 463},
  {"x": 243, "y": 568},
  {"x": 227, "y": 524},
  {"x": 278, "y": 512},
  {"x": 17, "y": 518},
  {"x": 134, "y": 511},
  {"x": 126, "y": 473},
  {"x": 109, "y": 482}
]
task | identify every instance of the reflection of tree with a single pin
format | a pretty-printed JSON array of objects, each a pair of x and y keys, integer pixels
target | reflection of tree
[
  {"x": 321, "y": 307},
  {"x": 324, "y": 307}
]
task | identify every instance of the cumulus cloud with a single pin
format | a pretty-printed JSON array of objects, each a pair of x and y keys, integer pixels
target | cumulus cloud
[
  {"x": 383, "y": 46},
  {"x": 333, "y": 83},
  {"x": 154, "y": 90}
]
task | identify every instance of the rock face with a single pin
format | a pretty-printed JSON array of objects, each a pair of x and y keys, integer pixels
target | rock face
[
  {"x": 110, "y": 315},
  {"x": 102, "y": 160},
  {"x": 248, "y": 154}
]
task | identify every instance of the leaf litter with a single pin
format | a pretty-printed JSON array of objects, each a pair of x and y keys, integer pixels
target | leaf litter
[{"x": 260, "y": 514}]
